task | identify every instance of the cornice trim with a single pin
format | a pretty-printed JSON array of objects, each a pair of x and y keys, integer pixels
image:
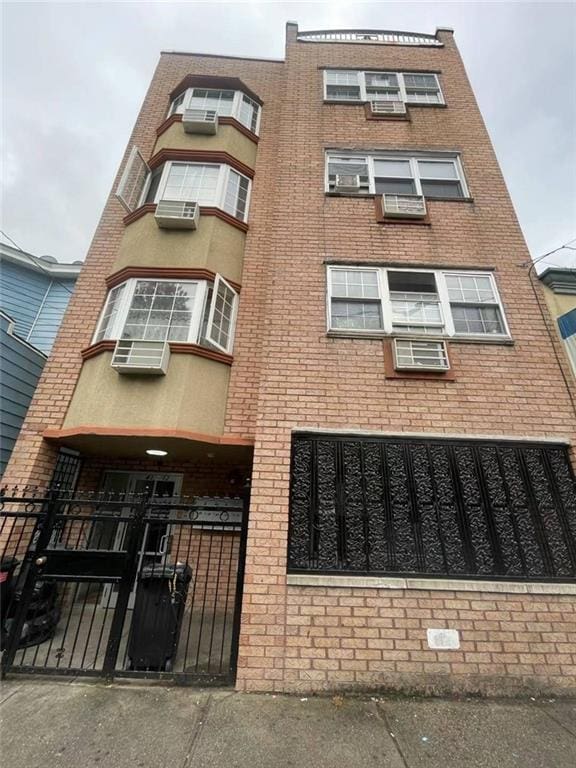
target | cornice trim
[
  {"x": 199, "y": 156},
  {"x": 88, "y": 430},
  {"x": 176, "y": 347},
  {"x": 175, "y": 273},
  {"x": 205, "y": 210}
]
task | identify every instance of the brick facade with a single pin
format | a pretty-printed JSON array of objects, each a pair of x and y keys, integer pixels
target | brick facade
[{"x": 288, "y": 374}]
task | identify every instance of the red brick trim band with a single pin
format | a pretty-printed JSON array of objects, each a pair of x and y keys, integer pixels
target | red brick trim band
[
  {"x": 173, "y": 273},
  {"x": 205, "y": 210},
  {"x": 179, "y": 348},
  {"x": 222, "y": 120},
  {"x": 199, "y": 156},
  {"x": 214, "y": 81},
  {"x": 62, "y": 434}
]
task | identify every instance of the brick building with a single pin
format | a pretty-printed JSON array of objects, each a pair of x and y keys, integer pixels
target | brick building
[{"x": 389, "y": 387}]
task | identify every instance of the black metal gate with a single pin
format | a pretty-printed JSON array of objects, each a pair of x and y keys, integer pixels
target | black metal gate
[{"x": 121, "y": 586}]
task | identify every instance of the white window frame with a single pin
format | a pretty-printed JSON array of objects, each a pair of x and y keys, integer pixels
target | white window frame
[
  {"x": 220, "y": 190},
  {"x": 365, "y": 96},
  {"x": 198, "y": 312},
  {"x": 412, "y": 157},
  {"x": 386, "y": 307},
  {"x": 235, "y": 111},
  {"x": 217, "y": 282}
]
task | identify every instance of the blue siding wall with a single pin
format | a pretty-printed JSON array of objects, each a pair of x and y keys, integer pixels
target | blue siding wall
[
  {"x": 35, "y": 302},
  {"x": 20, "y": 366}
]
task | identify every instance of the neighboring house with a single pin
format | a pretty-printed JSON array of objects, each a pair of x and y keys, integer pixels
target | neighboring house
[
  {"x": 309, "y": 278},
  {"x": 34, "y": 294},
  {"x": 560, "y": 292}
]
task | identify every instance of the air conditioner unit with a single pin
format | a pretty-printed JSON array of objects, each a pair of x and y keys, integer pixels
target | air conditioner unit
[
  {"x": 136, "y": 356},
  {"x": 200, "y": 121},
  {"x": 420, "y": 355},
  {"x": 346, "y": 182},
  {"x": 388, "y": 107},
  {"x": 404, "y": 206},
  {"x": 177, "y": 214}
]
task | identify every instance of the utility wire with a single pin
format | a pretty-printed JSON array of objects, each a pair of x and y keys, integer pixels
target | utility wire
[{"x": 36, "y": 261}]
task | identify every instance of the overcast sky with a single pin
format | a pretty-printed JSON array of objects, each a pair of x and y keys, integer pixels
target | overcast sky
[{"x": 74, "y": 75}]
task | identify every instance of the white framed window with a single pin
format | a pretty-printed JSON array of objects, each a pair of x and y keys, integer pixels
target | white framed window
[
  {"x": 414, "y": 302},
  {"x": 189, "y": 311},
  {"x": 360, "y": 86},
  {"x": 209, "y": 184},
  {"x": 224, "y": 102},
  {"x": 433, "y": 175}
]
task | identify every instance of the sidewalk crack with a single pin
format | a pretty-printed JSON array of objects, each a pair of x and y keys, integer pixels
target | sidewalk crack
[
  {"x": 199, "y": 727},
  {"x": 542, "y": 708},
  {"x": 384, "y": 717}
]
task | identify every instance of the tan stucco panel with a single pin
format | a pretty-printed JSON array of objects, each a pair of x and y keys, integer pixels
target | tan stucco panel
[
  {"x": 559, "y": 303},
  {"x": 227, "y": 139},
  {"x": 191, "y": 396},
  {"x": 215, "y": 245}
]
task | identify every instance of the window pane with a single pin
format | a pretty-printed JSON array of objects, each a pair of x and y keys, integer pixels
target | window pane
[
  {"x": 415, "y": 311},
  {"x": 177, "y": 104},
  {"x": 236, "y": 198},
  {"x": 474, "y": 289},
  {"x": 382, "y": 79},
  {"x": 424, "y": 97},
  {"x": 477, "y": 320},
  {"x": 394, "y": 168},
  {"x": 110, "y": 312},
  {"x": 377, "y": 94},
  {"x": 342, "y": 77},
  {"x": 221, "y": 327},
  {"x": 420, "y": 81},
  {"x": 395, "y": 186},
  {"x": 355, "y": 283},
  {"x": 441, "y": 189},
  {"x": 437, "y": 170},
  {"x": 160, "y": 310},
  {"x": 347, "y": 165},
  {"x": 192, "y": 182},
  {"x": 249, "y": 110},
  {"x": 221, "y": 101},
  {"x": 358, "y": 315},
  {"x": 343, "y": 92}
]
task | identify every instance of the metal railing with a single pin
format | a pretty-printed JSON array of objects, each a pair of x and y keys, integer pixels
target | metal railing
[{"x": 384, "y": 37}]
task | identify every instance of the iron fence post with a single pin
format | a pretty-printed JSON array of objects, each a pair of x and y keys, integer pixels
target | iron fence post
[
  {"x": 235, "y": 643},
  {"x": 135, "y": 529},
  {"x": 32, "y": 572}
]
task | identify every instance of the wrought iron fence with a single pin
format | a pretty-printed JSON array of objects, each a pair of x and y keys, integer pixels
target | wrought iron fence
[
  {"x": 121, "y": 585},
  {"x": 458, "y": 508}
]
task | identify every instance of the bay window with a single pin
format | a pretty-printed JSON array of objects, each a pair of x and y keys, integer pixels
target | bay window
[
  {"x": 364, "y": 300},
  {"x": 435, "y": 175},
  {"x": 208, "y": 184},
  {"x": 226, "y": 103},
  {"x": 358, "y": 86},
  {"x": 185, "y": 311}
]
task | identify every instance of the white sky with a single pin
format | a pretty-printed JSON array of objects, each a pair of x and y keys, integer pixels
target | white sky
[{"x": 74, "y": 75}]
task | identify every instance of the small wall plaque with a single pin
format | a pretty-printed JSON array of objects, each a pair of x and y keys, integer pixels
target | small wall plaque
[{"x": 443, "y": 639}]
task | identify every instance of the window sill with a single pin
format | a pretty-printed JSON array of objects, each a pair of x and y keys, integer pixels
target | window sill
[
  {"x": 176, "y": 347},
  {"x": 205, "y": 210},
  {"x": 409, "y": 104},
  {"x": 432, "y": 583},
  {"x": 372, "y": 195}
]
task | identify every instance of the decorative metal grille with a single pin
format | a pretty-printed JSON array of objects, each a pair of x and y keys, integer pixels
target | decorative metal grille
[
  {"x": 66, "y": 471},
  {"x": 458, "y": 508}
]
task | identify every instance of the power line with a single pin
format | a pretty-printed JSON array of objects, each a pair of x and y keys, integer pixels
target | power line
[
  {"x": 555, "y": 250},
  {"x": 36, "y": 261}
]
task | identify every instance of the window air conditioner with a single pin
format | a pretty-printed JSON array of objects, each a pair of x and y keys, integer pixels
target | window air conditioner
[
  {"x": 141, "y": 357},
  {"x": 404, "y": 206},
  {"x": 388, "y": 107},
  {"x": 420, "y": 355},
  {"x": 177, "y": 214},
  {"x": 346, "y": 182},
  {"x": 200, "y": 121}
]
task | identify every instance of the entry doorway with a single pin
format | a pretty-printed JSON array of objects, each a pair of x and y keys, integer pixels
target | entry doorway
[{"x": 156, "y": 539}]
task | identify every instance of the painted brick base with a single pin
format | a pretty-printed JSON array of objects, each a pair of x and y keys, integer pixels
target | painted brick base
[{"x": 375, "y": 639}]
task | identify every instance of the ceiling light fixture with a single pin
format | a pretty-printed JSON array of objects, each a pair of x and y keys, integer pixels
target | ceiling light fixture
[{"x": 156, "y": 452}]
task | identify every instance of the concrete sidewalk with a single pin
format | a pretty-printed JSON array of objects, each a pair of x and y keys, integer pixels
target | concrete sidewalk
[{"x": 80, "y": 725}]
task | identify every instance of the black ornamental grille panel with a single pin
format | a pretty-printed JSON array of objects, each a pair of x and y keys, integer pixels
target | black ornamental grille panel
[{"x": 459, "y": 508}]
